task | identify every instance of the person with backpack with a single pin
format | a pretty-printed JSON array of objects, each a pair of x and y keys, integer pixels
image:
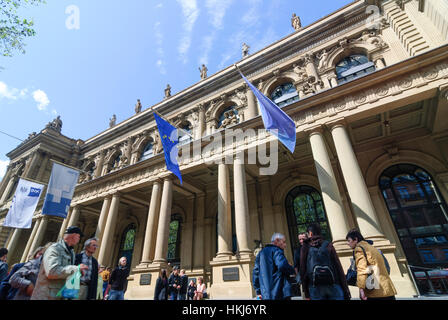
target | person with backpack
[
  {"x": 373, "y": 278},
  {"x": 320, "y": 269},
  {"x": 272, "y": 272}
]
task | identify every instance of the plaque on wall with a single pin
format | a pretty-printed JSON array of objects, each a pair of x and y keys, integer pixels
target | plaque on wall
[
  {"x": 145, "y": 279},
  {"x": 231, "y": 274}
]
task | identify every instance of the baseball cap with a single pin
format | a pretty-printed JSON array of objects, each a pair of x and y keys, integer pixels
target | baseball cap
[{"x": 74, "y": 229}]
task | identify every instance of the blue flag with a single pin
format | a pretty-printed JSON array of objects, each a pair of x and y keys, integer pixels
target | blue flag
[
  {"x": 169, "y": 137},
  {"x": 60, "y": 191},
  {"x": 275, "y": 120}
]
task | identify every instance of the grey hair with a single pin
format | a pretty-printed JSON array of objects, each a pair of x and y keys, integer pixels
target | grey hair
[
  {"x": 88, "y": 241},
  {"x": 276, "y": 236}
]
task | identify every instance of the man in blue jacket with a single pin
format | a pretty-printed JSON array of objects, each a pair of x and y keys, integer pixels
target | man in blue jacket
[{"x": 272, "y": 272}]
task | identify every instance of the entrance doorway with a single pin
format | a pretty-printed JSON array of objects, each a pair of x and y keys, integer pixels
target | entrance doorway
[
  {"x": 304, "y": 206},
  {"x": 419, "y": 214},
  {"x": 127, "y": 244}
]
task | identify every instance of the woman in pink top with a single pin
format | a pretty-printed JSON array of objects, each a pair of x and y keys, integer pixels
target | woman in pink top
[{"x": 200, "y": 289}]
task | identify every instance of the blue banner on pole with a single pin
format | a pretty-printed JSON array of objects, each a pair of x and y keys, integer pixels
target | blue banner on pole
[
  {"x": 169, "y": 136},
  {"x": 60, "y": 191},
  {"x": 275, "y": 120}
]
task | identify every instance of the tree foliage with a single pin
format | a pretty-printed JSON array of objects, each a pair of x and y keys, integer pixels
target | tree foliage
[{"x": 13, "y": 28}]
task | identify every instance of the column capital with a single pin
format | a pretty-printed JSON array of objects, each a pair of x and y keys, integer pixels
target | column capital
[
  {"x": 314, "y": 130},
  {"x": 340, "y": 122}
]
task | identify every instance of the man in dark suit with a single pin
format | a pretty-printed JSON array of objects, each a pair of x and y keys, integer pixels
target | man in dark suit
[{"x": 89, "y": 280}]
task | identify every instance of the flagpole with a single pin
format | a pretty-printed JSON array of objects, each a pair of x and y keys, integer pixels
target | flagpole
[
  {"x": 31, "y": 180},
  {"x": 170, "y": 122}
]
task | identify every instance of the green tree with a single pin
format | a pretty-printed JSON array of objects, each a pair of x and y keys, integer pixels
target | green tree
[{"x": 13, "y": 28}]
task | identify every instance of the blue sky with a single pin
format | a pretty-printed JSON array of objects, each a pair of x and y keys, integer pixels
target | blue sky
[{"x": 129, "y": 50}]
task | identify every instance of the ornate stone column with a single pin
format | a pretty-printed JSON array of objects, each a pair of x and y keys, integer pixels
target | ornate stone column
[
  {"x": 102, "y": 220},
  {"x": 161, "y": 250},
  {"x": 74, "y": 217},
  {"x": 357, "y": 189},
  {"x": 252, "y": 109},
  {"x": 199, "y": 247},
  {"x": 109, "y": 230},
  {"x": 9, "y": 187},
  {"x": 40, "y": 233},
  {"x": 201, "y": 122},
  {"x": 224, "y": 212},
  {"x": 65, "y": 223},
  {"x": 5, "y": 179},
  {"x": 337, "y": 218},
  {"x": 99, "y": 160},
  {"x": 26, "y": 252},
  {"x": 28, "y": 172},
  {"x": 241, "y": 206},
  {"x": 151, "y": 223},
  {"x": 43, "y": 166},
  {"x": 333, "y": 80},
  {"x": 13, "y": 242}
]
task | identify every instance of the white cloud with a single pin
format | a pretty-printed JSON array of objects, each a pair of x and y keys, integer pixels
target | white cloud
[
  {"x": 3, "y": 165},
  {"x": 54, "y": 112},
  {"x": 160, "y": 5},
  {"x": 206, "y": 48},
  {"x": 190, "y": 12},
  {"x": 8, "y": 93},
  {"x": 160, "y": 53},
  {"x": 217, "y": 9},
  {"x": 41, "y": 98}
]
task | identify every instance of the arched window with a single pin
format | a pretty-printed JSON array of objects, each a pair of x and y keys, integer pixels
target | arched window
[
  {"x": 174, "y": 239},
  {"x": 419, "y": 214},
  {"x": 127, "y": 243},
  {"x": 228, "y": 117},
  {"x": 304, "y": 206},
  {"x": 285, "y": 94},
  {"x": 148, "y": 152},
  {"x": 116, "y": 161},
  {"x": 353, "y": 67},
  {"x": 185, "y": 134}
]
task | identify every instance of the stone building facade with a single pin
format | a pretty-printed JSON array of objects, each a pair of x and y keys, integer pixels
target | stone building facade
[{"x": 367, "y": 87}]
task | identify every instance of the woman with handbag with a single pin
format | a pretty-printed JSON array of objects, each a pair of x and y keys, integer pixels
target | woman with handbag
[{"x": 372, "y": 277}]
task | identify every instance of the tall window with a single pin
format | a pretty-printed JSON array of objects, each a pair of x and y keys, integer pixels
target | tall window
[
  {"x": 419, "y": 214},
  {"x": 116, "y": 161},
  {"x": 304, "y": 206},
  {"x": 127, "y": 243},
  {"x": 185, "y": 134},
  {"x": 148, "y": 152},
  {"x": 353, "y": 67},
  {"x": 174, "y": 239},
  {"x": 285, "y": 94}
]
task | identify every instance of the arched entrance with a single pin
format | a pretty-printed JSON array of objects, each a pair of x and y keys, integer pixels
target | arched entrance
[
  {"x": 304, "y": 206},
  {"x": 127, "y": 243},
  {"x": 419, "y": 214}
]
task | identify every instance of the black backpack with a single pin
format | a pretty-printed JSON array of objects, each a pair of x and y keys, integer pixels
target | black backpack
[{"x": 319, "y": 266}]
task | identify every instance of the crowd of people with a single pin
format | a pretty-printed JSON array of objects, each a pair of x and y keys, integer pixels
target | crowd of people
[
  {"x": 44, "y": 276},
  {"x": 317, "y": 270}
]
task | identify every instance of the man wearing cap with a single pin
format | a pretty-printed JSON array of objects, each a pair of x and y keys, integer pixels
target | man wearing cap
[{"x": 58, "y": 263}]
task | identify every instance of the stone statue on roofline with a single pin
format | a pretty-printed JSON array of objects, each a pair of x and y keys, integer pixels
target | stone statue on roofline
[
  {"x": 138, "y": 106},
  {"x": 112, "y": 121},
  {"x": 295, "y": 22},
  {"x": 167, "y": 91},
  {"x": 203, "y": 71},
  {"x": 56, "y": 124},
  {"x": 245, "y": 50}
]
